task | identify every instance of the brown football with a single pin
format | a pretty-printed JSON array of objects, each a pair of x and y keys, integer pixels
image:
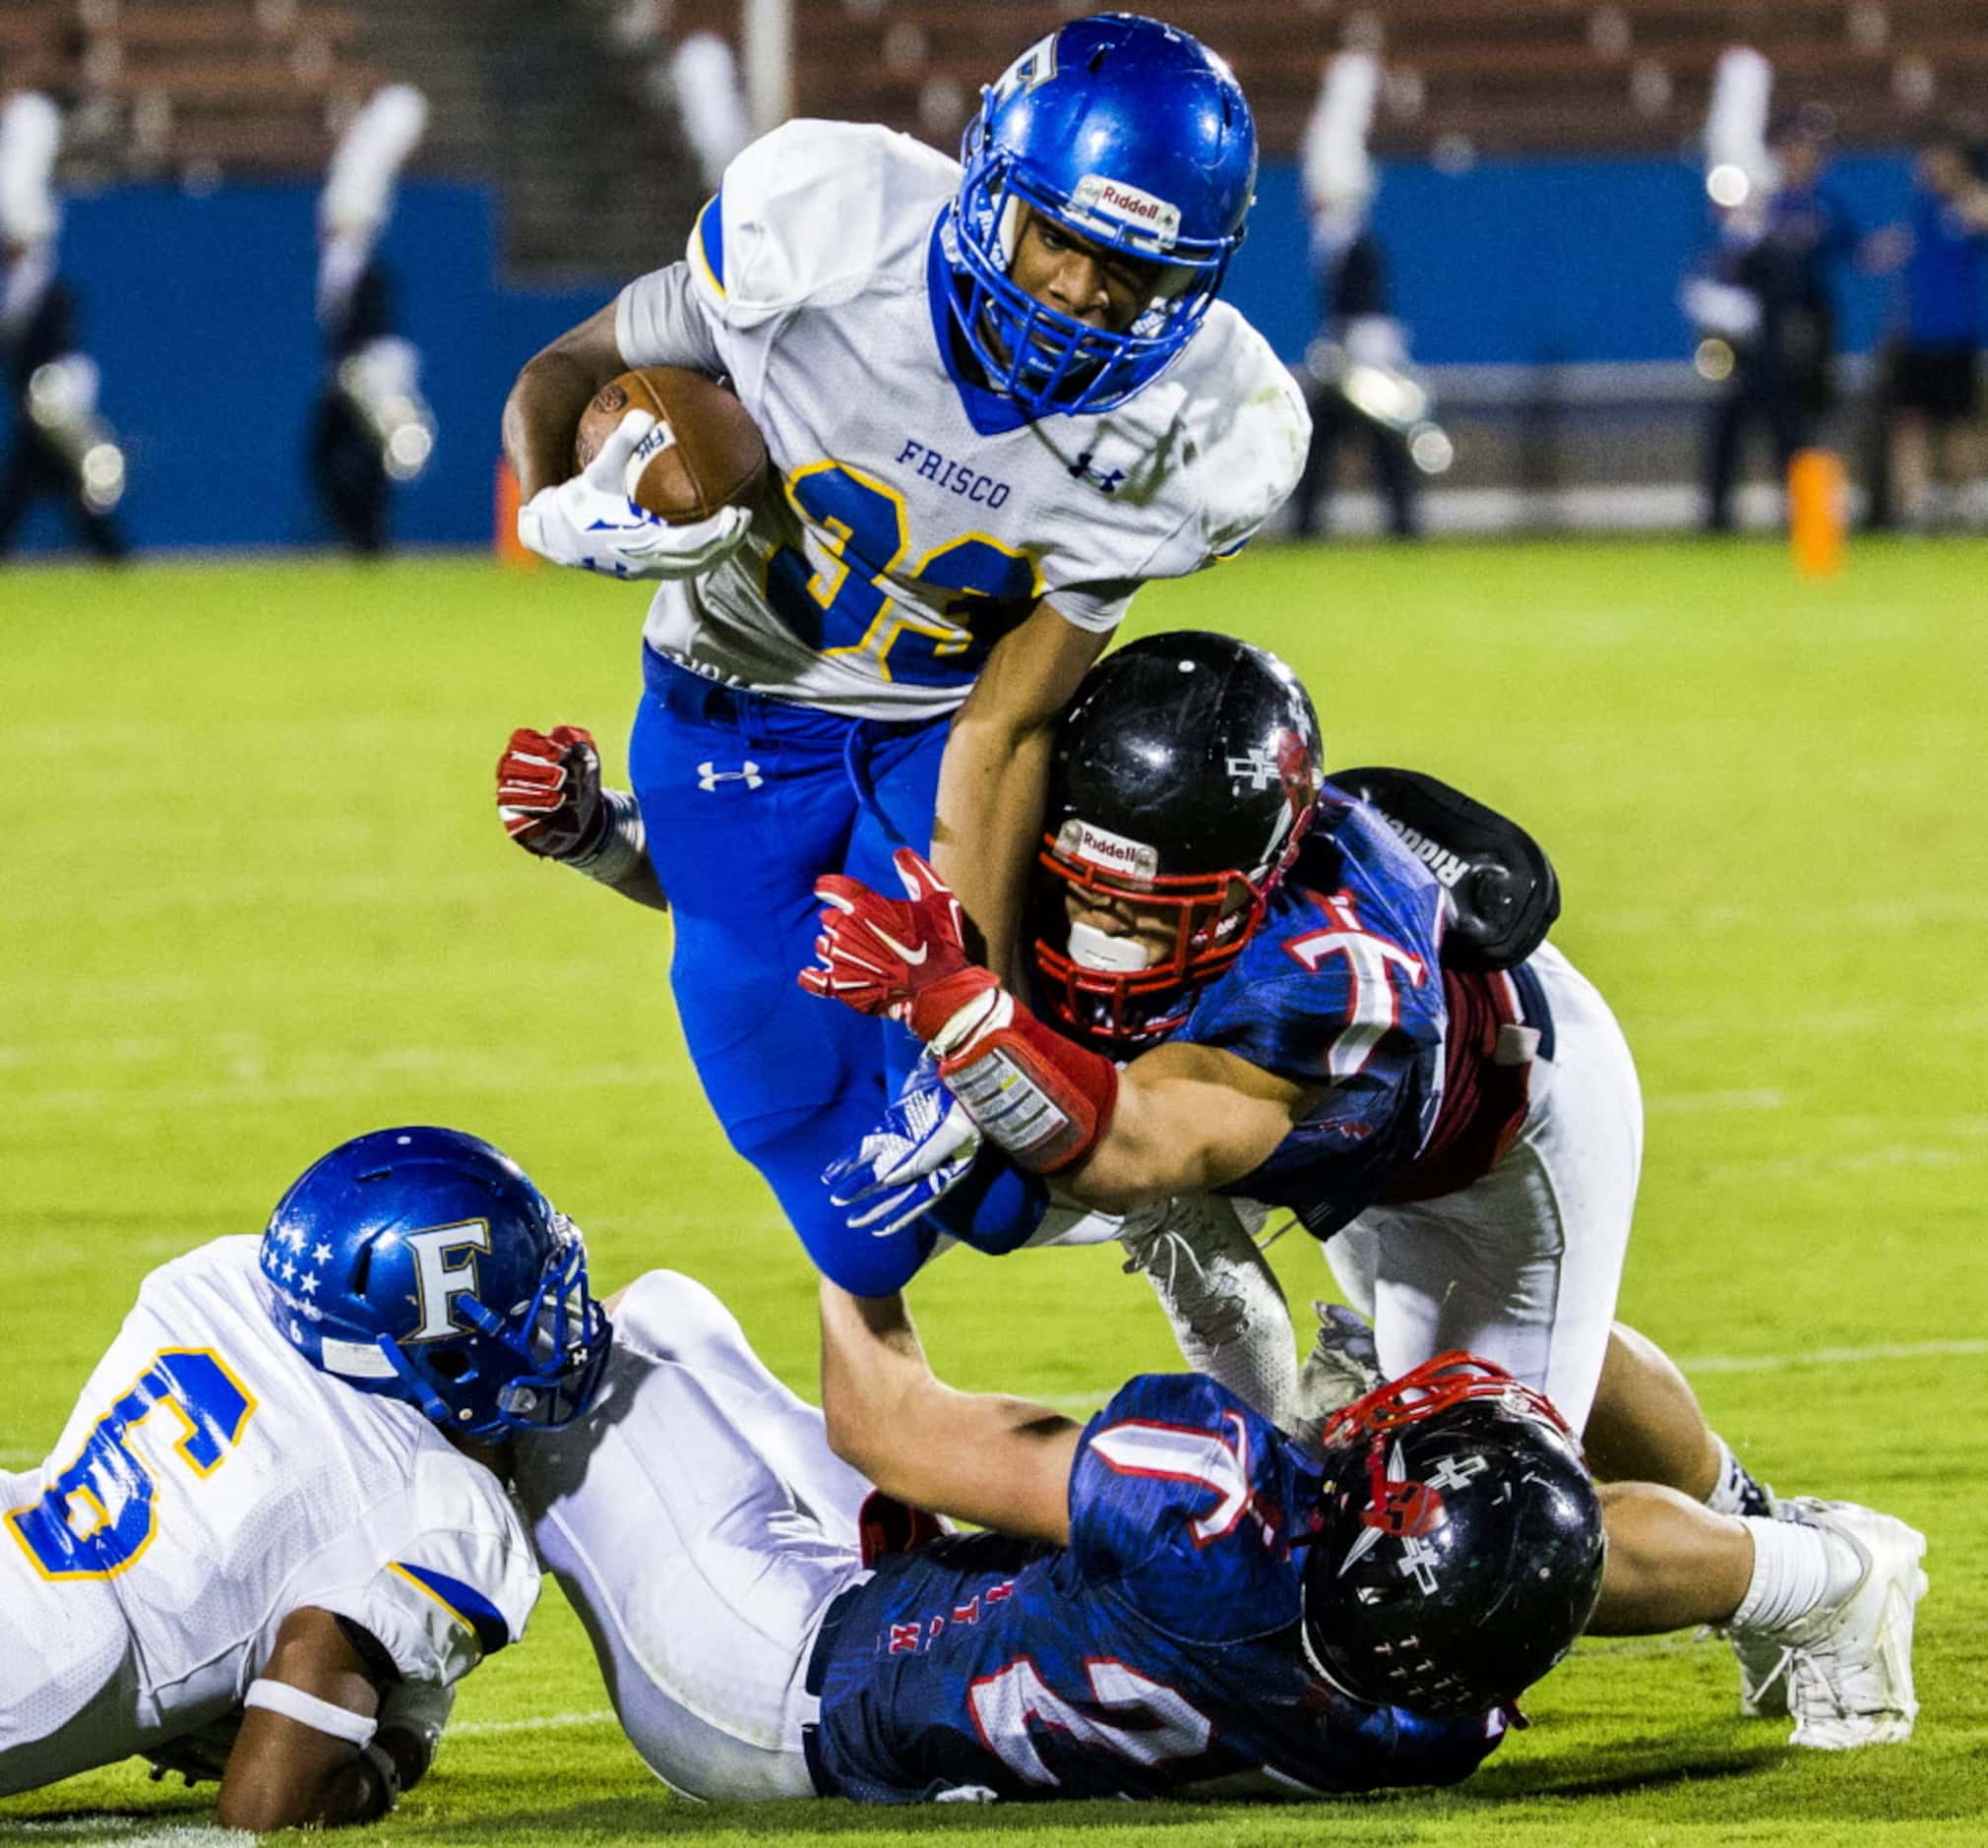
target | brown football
[{"x": 704, "y": 453}]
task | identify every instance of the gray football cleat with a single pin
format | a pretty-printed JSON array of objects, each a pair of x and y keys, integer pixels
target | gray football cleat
[
  {"x": 1228, "y": 1312},
  {"x": 1845, "y": 1672}
]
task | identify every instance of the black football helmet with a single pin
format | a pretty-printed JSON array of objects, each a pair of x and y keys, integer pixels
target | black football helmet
[
  {"x": 1459, "y": 1547},
  {"x": 1185, "y": 774}
]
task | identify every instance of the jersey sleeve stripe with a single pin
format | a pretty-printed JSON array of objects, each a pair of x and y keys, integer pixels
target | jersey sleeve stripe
[
  {"x": 465, "y": 1603},
  {"x": 708, "y": 240}
]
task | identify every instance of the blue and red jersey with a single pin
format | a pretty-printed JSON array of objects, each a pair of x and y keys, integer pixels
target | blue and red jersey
[
  {"x": 1158, "y": 1650},
  {"x": 1343, "y": 988}
]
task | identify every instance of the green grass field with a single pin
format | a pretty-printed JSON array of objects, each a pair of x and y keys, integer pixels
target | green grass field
[{"x": 256, "y": 901}]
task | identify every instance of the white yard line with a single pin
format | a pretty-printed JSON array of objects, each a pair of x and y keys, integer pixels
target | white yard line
[
  {"x": 1694, "y": 1103},
  {"x": 84, "y": 1831},
  {"x": 1834, "y": 1356},
  {"x": 545, "y": 1723}
]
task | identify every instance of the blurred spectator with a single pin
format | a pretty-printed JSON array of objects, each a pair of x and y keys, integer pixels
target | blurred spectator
[
  {"x": 61, "y": 448},
  {"x": 1771, "y": 272},
  {"x": 372, "y": 426},
  {"x": 1931, "y": 394},
  {"x": 1356, "y": 380}
]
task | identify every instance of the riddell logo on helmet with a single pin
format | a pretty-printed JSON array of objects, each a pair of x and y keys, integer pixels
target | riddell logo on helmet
[
  {"x": 1113, "y": 198},
  {"x": 1098, "y": 846}
]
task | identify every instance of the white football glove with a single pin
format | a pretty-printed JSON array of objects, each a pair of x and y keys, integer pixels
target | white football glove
[
  {"x": 591, "y": 522},
  {"x": 921, "y": 1150}
]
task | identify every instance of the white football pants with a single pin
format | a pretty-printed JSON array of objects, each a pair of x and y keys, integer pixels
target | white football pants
[
  {"x": 699, "y": 1524},
  {"x": 1523, "y": 1265}
]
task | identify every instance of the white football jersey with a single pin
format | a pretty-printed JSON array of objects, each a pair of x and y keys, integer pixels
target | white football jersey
[
  {"x": 208, "y": 1482},
  {"x": 913, "y": 520}
]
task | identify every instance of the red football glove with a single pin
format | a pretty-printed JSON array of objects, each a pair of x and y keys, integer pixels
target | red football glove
[
  {"x": 903, "y": 957},
  {"x": 548, "y": 791},
  {"x": 1042, "y": 1099}
]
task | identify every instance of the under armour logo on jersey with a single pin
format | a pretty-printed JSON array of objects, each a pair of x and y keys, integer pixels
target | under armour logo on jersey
[
  {"x": 1104, "y": 480},
  {"x": 709, "y": 776}
]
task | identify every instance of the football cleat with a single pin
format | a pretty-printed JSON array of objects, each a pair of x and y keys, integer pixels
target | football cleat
[
  {"x": 1845, "y": 1672},
  {"x": 1223, "y": 1301}
]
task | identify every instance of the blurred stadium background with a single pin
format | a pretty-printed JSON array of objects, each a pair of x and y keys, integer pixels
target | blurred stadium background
[
  {"x": 1542, "y": 196},
  {"x": 257, "y": 900}
]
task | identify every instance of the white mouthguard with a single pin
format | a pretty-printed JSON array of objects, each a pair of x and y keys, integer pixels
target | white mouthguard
[{"x": 1093, "y": 948}]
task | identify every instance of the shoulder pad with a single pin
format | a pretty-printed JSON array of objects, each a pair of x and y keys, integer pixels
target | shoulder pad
[
  {"x": 1503, "y": 895},
  {"x": 811, "y": 209},
  {"x": 1251, "y": 431}
]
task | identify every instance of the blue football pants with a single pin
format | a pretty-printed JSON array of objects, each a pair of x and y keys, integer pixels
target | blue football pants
[{"x": 746, "y": 801}]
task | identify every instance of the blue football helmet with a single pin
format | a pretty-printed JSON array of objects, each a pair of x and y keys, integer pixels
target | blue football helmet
[
  {"x": 423, "y": 1265},
  {"x": 1135, "y": 137}
]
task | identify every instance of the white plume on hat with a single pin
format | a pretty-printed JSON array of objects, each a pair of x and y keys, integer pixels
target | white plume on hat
[
  {"x": 30, "y": 132},
  {"x": 703, "y": 81},
  {"x": 1337, "y": 171},
  {"x": 358, "y": 190},
  {"x": 1736, "y": 120}
]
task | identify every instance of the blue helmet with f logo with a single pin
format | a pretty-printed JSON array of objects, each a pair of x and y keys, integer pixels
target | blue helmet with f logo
[
  {"x": 422, "y": 1264},
  {"x": 1136, "y": 138}
]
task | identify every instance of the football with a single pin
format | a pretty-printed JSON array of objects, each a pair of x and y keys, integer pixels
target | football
[{"x": 704, "y": 453}]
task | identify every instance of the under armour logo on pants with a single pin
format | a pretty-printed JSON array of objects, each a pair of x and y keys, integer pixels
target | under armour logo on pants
[{"x": 708, "y": 777}]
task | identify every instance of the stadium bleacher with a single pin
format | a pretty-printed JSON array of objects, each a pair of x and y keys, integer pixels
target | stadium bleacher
[
  {"x": 216, "y": 87},
  {"x": 259, "y": 86},
  {"x": 1502, "y": 76}
]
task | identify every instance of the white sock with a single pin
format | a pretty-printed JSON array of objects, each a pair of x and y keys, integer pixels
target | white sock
[
  {"x": 1797, "y": 1568},
  {"x": 1728, "y": 1491}
]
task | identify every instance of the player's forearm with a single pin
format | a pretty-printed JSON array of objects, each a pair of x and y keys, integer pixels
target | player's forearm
[
  {"x": 640, "y": 886},
  {"x": 1164, "y": 1140},
  {"x": 988, "y": 821},
  {"x": 985, "y": 1457},
  {"x": 872, "y": 1367},
  {"x": 995, "y": 770},
  {"x": 540, "y": 416},
  {"x": 1186, "y": 1119},
  {"x": 349, "y": 1792}
]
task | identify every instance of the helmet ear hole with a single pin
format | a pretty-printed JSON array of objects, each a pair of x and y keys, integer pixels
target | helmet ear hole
[{"x": 450, "y": 1362}]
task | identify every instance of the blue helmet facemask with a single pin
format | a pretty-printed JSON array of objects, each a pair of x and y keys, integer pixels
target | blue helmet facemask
[{"x": 1137, "y": 141}]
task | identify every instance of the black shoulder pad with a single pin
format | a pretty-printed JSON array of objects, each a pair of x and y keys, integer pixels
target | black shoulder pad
[{"x": 1503, "y": 893}]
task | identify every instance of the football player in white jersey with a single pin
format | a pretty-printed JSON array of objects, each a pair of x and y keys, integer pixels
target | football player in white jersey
[
  {"x": 997, "y": 397},
  {"x": 269, "y": 1541}
]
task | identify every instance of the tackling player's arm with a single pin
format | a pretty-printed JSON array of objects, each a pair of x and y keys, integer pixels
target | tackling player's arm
[
  {"x": 1184, "y": 1119},
  {"x": 1179, "y": 1118},
  {"x": 996, "y": 770},
  {"x": 985, "y": 1457},
  {"x": 312, "y": 1750}
]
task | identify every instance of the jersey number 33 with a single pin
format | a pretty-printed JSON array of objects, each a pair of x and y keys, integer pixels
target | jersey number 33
[{"x": 973, "y": 589}]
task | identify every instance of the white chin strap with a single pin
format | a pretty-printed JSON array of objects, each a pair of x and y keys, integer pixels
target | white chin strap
[{"x": 1093, "y": 948}]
